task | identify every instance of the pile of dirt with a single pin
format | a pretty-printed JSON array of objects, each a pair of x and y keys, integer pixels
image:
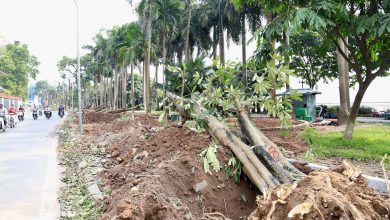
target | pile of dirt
[
  {"x": 337, "y": 194},
  {"x": 155, "y": 172},
  {"x": 263, "y": 122},
  {"x": 98, "y": 117},
  {"x": 289, "y": 140}
]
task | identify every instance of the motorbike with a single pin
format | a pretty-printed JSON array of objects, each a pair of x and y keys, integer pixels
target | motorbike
[
  {"x": 48, "y": 114},
  {"x": 2, "y": 124},
  {"x": 35, "y": 115},
  {"x": 61, "y": 113},
  {"x": 12, "y": 121},
  {"x": 20, "y": 116}
]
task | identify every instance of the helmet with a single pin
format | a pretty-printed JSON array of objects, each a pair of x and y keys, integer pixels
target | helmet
[{"x": 1, "y": 105}]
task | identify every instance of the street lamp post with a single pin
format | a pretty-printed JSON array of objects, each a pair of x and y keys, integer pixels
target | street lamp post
[{"x": 78, "y": 72}]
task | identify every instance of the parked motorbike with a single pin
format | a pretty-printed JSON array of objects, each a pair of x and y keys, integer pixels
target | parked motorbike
[
  {"x": 48, "y": 114},
  {"x": 35, "y": 115},
  {"x": 12, "y": 121},
  {"x": 20, "y": 116},
  {"x": 2, "y": 124},
  {"x": 61, "y": 113}
]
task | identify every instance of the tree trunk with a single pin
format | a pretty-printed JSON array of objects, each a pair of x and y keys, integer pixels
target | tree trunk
[
  {"x": 164, "y": 61},
  {"x": 183, "y": 81},
  {"x": 215, "y": 43},
  {"x": 253, "y": 168},
  {"x": 187, "y": 40},
  {"x": 147, "y": 66},
  {"x": 111, "y": 93},
  {"x": 259, "y": 166},
  {"x": 243, "y": 44},
  {"x": 124, "y": 88},
  {"x": 343, "y": 113},
  {"x": 355, "y": 107},
  {"x": 156, "y": 81},
  {"x": 221, "y": 44},
  {"x": 286, "y": 45},
  {"x": 273, "y": 80},
  {"x": 346, "y": 79},
  {"x": 257, "y": 138},
  {"x": 132, "y": 89},
  {"x": 101, "y": 88},
  {"x": 116, "y": 85}
]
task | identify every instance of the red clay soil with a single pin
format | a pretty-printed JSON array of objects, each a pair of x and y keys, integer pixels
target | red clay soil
[
  {"x": 262, "y": 122},
  {"x": 324, "y": 195},
  {"x": 98, "y": 117},
  {"x": 152, "y": 171},
  {"x": 288, "y": 140}
]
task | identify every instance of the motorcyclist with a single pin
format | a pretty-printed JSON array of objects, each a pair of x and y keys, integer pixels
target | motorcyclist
[
  {"x": 21, "y": 109},
  {"x": 47, "y": 110},
  {"x": 12, "y": 110},
  {"x": 61, "y": 109},
  {"x": 3, "y": 113}
]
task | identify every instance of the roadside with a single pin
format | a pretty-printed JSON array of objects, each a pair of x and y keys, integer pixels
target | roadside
[{"x": 125, "y": 168}]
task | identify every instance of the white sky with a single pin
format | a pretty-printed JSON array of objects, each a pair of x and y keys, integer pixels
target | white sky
[{"x": 49, "y": 29}]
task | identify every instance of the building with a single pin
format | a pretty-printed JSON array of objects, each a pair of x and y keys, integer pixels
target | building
[
  {"x": 304, "y": 109},
  {"x": 8, "y": 100}
]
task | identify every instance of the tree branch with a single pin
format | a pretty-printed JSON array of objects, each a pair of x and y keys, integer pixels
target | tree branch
[
  {"x": 364, "y": 50},
  {"x": 385, "y": 64},
  {"x": 354, "y": 65}
]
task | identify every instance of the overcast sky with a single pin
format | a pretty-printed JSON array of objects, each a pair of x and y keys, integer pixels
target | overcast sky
[{"x": 49, "y": 29}]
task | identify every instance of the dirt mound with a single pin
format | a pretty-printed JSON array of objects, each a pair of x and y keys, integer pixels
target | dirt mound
[
  {"x": 324, "y": 195},
  {"x": 262, "y": 122},
  {"x": 289, "y": 140},
  {"x": 153, "y": 172},
  {"x": 97, "y": 117}
]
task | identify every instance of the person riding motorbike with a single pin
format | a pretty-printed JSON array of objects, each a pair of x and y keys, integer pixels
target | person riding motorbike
[
  {"x": 47, "y": 111},
  {"x": 21, "y": 109},
  {"x": 61, "y": 109},
  {"x": 35, "y": 111},
  {"x": 12, "y": 110},
  {"x": 3, "y": 113}
]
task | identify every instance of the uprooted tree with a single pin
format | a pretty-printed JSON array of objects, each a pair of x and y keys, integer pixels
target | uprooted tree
[
  {"x": 262, "y": 161},
  {"x": 322, "y": 195}
]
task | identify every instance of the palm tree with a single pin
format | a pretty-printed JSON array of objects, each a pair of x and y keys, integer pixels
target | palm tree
[{"x": 128, "y": 52}]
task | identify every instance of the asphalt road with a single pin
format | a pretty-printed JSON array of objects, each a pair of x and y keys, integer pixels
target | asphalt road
[
  {"x": 29, "y": 176},
  {"x": 372, "y": 120}
]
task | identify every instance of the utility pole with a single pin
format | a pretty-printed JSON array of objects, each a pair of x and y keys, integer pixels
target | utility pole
[{"x": 80, "y": 112}]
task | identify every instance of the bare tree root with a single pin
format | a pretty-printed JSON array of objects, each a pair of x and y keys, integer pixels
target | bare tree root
[{"x": 324, "y": 195}]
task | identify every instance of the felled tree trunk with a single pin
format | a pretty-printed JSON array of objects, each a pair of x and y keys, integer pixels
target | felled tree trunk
[
  {"x": 259, "y": 173},
  {"x": 251, "y": 133}
]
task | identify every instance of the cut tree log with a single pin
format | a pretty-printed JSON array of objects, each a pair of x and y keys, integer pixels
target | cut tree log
[
  {"x": 100, "y": 107},
  {"x": 253, "y": 135},
  {"x": 119, "y": 110},
  {"x": 258, "y": 173}
]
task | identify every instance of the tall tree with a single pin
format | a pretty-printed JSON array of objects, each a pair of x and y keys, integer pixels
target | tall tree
[
  {"x": 367, "y": 27},
  {"x": 17, "y": 64},
  {"x": 312, "y": 58}
]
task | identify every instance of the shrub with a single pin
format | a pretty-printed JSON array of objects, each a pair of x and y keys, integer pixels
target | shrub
[
  {"x": 365, "y": 110},
  {"x": 334, "y": 109}
]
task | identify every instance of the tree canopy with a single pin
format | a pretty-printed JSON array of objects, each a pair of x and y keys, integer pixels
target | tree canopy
[{"x": 17, "y": 64}]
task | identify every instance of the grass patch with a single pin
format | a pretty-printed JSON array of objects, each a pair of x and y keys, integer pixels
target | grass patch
[{"x": 370, "y": 143}]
